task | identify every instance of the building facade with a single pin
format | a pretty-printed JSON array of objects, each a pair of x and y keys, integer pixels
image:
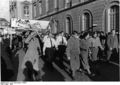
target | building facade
[
  {"x": 21, "y": 9},
  {"x": 79, "y": 15}
]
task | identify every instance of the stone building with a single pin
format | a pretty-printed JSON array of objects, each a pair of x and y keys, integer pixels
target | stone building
[
  {"x": 20, "y": 9},
  {"x": 78, "y": 15}
]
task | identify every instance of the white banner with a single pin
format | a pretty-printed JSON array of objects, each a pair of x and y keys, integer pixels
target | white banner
[{"x": 33, "y": 24}]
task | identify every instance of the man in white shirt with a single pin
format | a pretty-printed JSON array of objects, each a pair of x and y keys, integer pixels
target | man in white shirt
[
  {"x": 61, "y": 40},
  {"x": 49, "y": 48},
  {"x": 62, "y": 43}
]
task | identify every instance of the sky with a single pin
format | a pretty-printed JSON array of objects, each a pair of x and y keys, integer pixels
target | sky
[{"x": 4, "y": 9}]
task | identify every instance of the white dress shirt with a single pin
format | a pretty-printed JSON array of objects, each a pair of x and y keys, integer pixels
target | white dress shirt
[
  {"x": 61, "y": 39},
  {"x": 48, "y": 43}
]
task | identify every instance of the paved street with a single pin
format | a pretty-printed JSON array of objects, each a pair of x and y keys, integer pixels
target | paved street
[{"x": 104, "y": 72}]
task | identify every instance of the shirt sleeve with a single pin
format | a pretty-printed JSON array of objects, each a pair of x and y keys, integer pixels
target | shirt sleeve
[
  {"x": 99, "y": 43},
  {"x": 65, "y": 40}
]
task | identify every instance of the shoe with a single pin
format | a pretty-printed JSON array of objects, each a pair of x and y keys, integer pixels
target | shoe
[
  {"x": 80, "y": 70},
  {"x": 92, "y": 74}
]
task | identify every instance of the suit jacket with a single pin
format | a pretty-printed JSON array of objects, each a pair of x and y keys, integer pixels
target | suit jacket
[
  {"x": 85, "y": 44},
  {"x": 112, "y": 41},
  {"x": 73, "y": 46}
]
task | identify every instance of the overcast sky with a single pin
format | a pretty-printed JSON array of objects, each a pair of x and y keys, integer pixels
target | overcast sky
[{"x": 4, "y": 9}]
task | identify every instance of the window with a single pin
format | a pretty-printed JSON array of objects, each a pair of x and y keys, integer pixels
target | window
[
  {"x": 35, "y": 14},
  {"x": 47, "y": 5},
  {"x": 86, "y": 21},
  {"x": 112, "y": 18},
  {"x": 40, "y": 8},
  {"x": 69, "y": 25},
  {"x": 55, "y": 4},
  {"x": 26, "y": 10},
  {"x": 68, "y": 3}
]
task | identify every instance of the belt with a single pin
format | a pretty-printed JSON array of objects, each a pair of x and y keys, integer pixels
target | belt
[{"x": 82, "y": 49}]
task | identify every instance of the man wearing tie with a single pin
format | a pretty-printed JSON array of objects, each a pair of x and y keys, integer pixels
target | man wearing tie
[
  {"x": 62, "y": 43},
  {"x": 49, "y": 48}
]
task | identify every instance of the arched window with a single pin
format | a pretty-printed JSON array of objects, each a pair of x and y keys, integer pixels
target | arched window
[
  {"x": 69, "y": 25},
  {"x": 86, "y": 21},
  {"x": 111, "y": 18},
  {"x": 114, "y": 17}
]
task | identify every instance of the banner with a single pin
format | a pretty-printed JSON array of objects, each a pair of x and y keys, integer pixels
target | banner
[{"x": 29, "y": 24}]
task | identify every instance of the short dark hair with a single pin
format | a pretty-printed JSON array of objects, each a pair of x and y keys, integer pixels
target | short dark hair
[
  {"x": 85, "y": 34},
  {"x": 112, "y": 30},
  {"x": 74, "y": 32}
]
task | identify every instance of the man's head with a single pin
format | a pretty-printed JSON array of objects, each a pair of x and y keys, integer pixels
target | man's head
[
  {"x": 86, "y": 35},
  {"x": 62, "y": 33},
  {"x": 95, "y": 34},
  {"x": 75, "y": 33},
  {"x": 113, "y": 31}
]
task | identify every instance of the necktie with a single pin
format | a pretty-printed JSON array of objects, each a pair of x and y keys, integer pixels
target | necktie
[
  {"x": 51, "y": 42},
  {"x": 62, "y": 41}
]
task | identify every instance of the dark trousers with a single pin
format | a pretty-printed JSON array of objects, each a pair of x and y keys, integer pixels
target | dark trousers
[
  {"x": 61, "y": 52},
  {"x": 113, "y": 55},
  {"x": 50, "y": 56}
]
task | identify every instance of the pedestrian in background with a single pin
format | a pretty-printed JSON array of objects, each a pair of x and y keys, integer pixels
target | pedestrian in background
[
  {"x": 112, "y": 43},
  {"x": 73, "y": 52},
  {"x": 95, "y": 47},
  {"x": 84, "y": 48},
  {"x": 62, "y": 43}
]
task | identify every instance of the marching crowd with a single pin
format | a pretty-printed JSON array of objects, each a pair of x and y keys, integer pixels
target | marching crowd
[{"x": 80, "y": 49}]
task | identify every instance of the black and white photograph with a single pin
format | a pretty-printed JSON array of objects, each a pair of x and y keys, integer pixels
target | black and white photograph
[{"x": 59, "y": 41}]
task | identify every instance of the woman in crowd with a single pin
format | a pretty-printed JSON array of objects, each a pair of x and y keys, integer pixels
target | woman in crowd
[
  {"x": 84, "y": 48},
  {"x": 95, "y": 47},
  {"x": 112, "y": 43}
]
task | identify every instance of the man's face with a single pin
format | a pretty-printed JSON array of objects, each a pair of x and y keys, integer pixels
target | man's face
[
  {"x": 62, "y": 33},
  {"x": 95, "y": 35},
  {"x": 50, "y": 34},
  {"x": 113, "y": 32}
]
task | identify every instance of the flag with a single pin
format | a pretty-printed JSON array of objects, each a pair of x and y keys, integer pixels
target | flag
[{"x": 52, "y": 25}]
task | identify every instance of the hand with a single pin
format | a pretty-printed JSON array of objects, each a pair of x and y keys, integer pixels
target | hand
[
  {"x": 110, "y": 48},
  {"x": 68, "y": 58}
]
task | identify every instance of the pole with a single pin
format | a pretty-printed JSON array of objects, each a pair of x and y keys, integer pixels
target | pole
[{"x": 11, "y": 41}]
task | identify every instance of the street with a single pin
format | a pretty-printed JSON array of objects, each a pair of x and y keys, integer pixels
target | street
[{"x": 104, "y": 72}]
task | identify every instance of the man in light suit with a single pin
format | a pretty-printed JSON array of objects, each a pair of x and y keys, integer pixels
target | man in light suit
[
  {"x": 73, "y": 52},
  {"x": 112, "y": 43}
]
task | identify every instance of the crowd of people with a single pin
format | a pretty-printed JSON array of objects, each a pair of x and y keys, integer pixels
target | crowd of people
[{"x": 80, "y": 49}]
